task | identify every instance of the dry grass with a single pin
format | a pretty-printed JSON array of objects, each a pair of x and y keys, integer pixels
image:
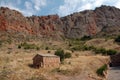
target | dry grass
[
  {"x": 17, "y": 67},
  {"x": 108, "y": 44},
  {"x": 83, "y": 67},
  {"x": 15, "y": 64}
]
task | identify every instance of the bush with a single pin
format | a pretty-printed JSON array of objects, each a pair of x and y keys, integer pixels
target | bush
[
  {"x": 60, "y": 53},
  {"x": 67, "y": 55},
  {"x": 46, "y": 48},
  {"x": 100, "y": 50},
  {"x": 19, "y": 46},
  {"x": 28, "y": 46},
  {"x": 86, "y": 48},
  {"x": 101, "y": 70},
  {"x": 82, "y": 48},
  {"x": 37, "y": 48},
  {"x": 117, "y": 39},
  {"x": 75, "y": 48},
  {"x": 92, "y": 48},
  {"x": 70, "y": 44},
  {"x": 111, "y": 52},
  {"x": 84, "y": 38},
  {"x": 104, "y": 51}
]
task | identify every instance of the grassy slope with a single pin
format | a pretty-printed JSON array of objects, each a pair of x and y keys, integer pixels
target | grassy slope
[{"x": 15, "y": 64}]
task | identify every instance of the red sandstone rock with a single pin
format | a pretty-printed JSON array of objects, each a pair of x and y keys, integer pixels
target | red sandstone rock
[{"x": 104, "y": 20}]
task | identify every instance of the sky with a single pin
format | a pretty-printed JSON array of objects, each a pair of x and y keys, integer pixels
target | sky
[{"x": 60, "y": 7}]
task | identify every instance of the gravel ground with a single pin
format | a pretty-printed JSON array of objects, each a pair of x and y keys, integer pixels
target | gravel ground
[{"x": 114, "y": 73}]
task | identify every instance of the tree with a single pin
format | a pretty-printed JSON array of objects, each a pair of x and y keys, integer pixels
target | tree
[
  {"x": 60, "y": 53},
  {"x": 117, "y": 39}
]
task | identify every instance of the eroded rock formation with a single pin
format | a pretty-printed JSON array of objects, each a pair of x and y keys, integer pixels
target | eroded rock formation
[{"x": 104, "y": 20}]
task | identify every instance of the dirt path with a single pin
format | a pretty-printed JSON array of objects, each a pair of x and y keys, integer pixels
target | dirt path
[{"x": 114, "y": 73}]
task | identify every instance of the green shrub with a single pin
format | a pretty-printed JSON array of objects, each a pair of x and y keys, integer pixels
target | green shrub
[
  {"x": 19, "y": 46},
  {"x": 101, "y": 70},
  {"x": 83, "y": 48},
  {"x": 117, "y": 39},
  {"x": 72, "y": 50},
  {"x": 92, "y": 48},
  {"x": 100, "y": 50},
  {"x": 80, "y": 48},
  {"x": 46, "y": 48},
  {"x": 70, "y": 44},
  {"x": 75, "y": 48},
  {"x": 67, "y": 55},
  {"x": 60, "y": 53},
  {"x": 86, "y": 48},
  {"x": 111, "y": 52},
  {"x": 84, "y": 38},
  {"x": 103, "y": 51},
  {"x": 75, "y": 42},
  {"x": 28, "y": 46},
  {"x": 37, "y": 48}
]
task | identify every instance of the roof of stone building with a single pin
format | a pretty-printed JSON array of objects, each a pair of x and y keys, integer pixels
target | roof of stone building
[{"x": 47, "y": 55}]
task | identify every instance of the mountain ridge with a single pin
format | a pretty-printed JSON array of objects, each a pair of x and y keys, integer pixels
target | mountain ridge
[{"x": 102, "y": 21}]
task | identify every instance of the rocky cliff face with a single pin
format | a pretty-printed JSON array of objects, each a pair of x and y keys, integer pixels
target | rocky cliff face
[
  {"x": 79, "y": 24},
  {"x": 13, "y": 23},
  {"x": 108, "y": 20},
  {"x": 46, "y": 26},
  {"x": 102, "y": 21}
]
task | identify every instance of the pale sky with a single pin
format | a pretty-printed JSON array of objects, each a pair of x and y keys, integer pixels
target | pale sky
[{"x": 60, "y": 7}]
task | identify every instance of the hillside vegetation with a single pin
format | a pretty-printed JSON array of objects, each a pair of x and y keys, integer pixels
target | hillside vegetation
[{"x": 16, "y": 62}]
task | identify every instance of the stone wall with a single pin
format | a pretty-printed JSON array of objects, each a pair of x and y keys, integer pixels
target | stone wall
[
  {"x": 51, "y": 62},
  {"x": 37, "y": 61}
]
